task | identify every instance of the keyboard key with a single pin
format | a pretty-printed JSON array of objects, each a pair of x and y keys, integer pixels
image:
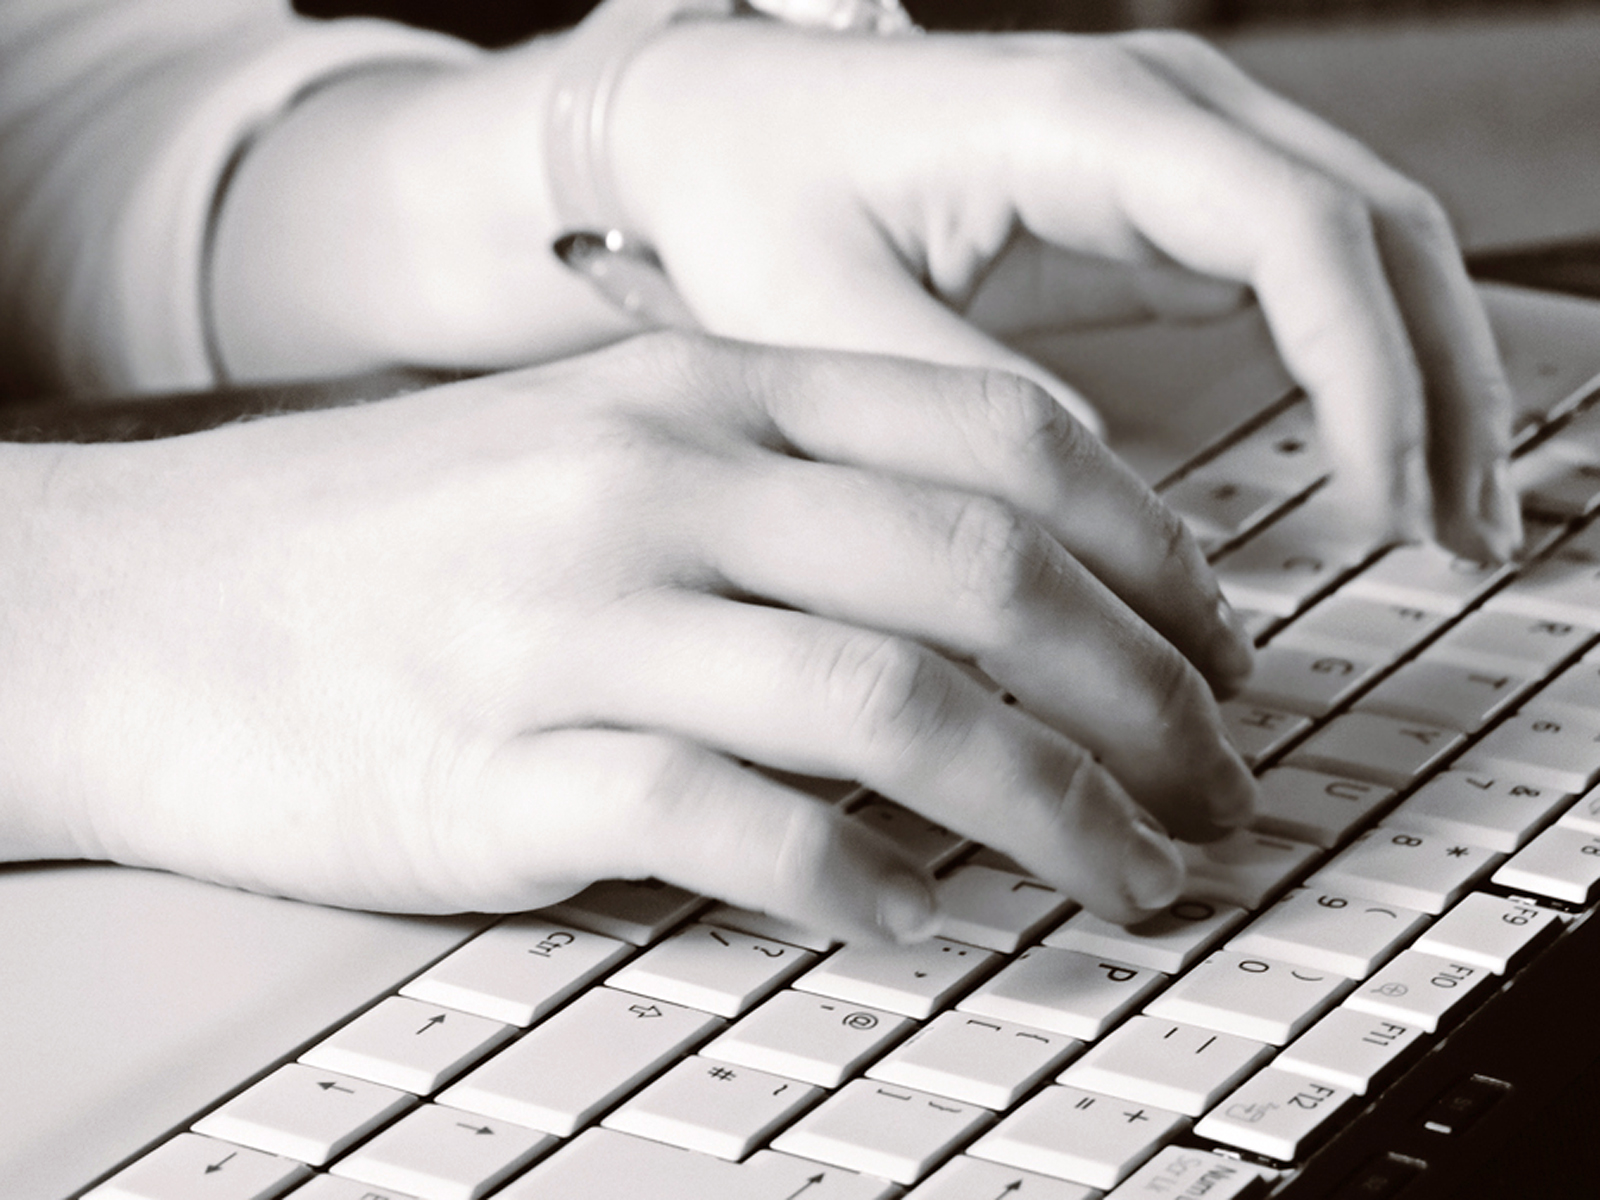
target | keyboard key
[
  {"x": 1497, "y": 811},
  {"x": 1418, "y": 988},
  {"x": 1584, "y": 813},
  {"x": 192, "y": 1167},
  {"x": 1258, "y": 732},
  {"x": 1344, "y": 624},
  {"x": 704, "y": 1105},
  {"x": 1505, "y": 641},
  {"x": 1558, "y": 588},
  {"x": 1575, "y": 692},
  {"x": 882, "y": 1129},
  {"x": 1377, "y": 748},
  {"x": 1080, "y": 1135},
  {"x": 1179, "y": 1172},
  {"x": 764, "y": 925},
  {"x": 1424, "y": 576},
  {"x": 1168, "y": 941},
  {"x": 1253, "y": 997},
  {"x": 976, "y": 1059},
  {"x": 1309, "y": 682},
  {"x": 517, "y": 971},
  {"x": 1557, "y": 479},
  {"x": 582, "y": 1060},
  {"x": 1489, "y": 931},
  {"x": 1351, "y": 1049},
  {"x": 1315, "y": 807},
  {"x": 1166, "y": 1063},
  {"x": 964, "y": 1178},
  {"x": 300, "y": 1112},
  {"x": 1243, "y": 868},
  {"x": 914, "y": 980},
  {"x": 1562, "y": 753},
  {"x": 1320, "y": 928},
  {"x": 439, "y": 1153},
  {"x": 1446, "y": 694},
  {"x": 996, "y": 909},
  {"x": 769, "y": 1175},
  {"x": 718, "y": 971},
  {"x": 407, "y": 1044},
  {"x": 1217, "y": 508},
  {"x": 1286, "y": 454},
  {"x": 1561, "y": 863},
  {"x": 810, "y": 1038},
  {"x": 1276, "y": 1113},
  {"x": 1063, "y": 991},
  {"x": 332, "y": 1187},
  {"x": 636, "y": 911},
  {"x": 1280, "y": 569},
  {"x": 1418, "y": 870},
  {"x": 923, "y": 841}
]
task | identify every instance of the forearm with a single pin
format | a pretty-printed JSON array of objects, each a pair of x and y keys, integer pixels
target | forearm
[{"x": 402, "y": 215}]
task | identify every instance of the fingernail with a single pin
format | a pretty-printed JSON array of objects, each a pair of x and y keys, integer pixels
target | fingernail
[
  {"x": 906, "y": 908},
  {"x": 1233, "y": 649},
  {"x": 1153, "y": 873}
]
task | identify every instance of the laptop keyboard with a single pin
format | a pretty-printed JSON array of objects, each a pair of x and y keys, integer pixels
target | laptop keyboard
[{"x": 1427, "y": 734}]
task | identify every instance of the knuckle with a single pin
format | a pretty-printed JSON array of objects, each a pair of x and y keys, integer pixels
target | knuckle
[
  {"x": 1173, "y": 46},
  {"x": 1025, "y": 418},
  {"x": 892, "y": 695},
  {"x": 1417, "y": 213},
  {"x": 1330, "y": 210},
  {"x": 1174, "y": 690},
  {"x": 997, "y": 558},
  {"x": 672, "y": 774}
]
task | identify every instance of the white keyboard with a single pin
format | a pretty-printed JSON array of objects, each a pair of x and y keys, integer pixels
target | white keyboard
[{"x": 1427, "y": 734}]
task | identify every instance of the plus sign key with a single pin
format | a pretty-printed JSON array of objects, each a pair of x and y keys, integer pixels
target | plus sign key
[{"x": 1078, "y": 1135}]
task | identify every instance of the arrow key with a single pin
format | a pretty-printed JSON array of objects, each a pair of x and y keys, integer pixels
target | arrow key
[
  {"x": 964, "y": 1178},
  {"x": 409, "y": 1044},
  {"x": 304, "y": 1113},
  {"x": 189, "y": 1167},
  {"x": 439, "y": 1153}
]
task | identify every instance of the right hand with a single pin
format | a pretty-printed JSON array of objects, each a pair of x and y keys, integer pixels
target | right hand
[{"x": 474, "y": 648}]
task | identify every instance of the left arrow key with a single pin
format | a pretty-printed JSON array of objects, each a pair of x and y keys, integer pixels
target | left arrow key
[{"x": 305, "y": 1113}]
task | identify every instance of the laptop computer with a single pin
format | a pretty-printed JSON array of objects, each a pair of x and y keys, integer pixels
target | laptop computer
[{"x": 152, "y": 1022}]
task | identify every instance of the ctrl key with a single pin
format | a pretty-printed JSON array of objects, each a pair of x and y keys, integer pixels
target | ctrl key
[
  {"x": 1275, "y": 1113},
  {"x": 191, "y": 1166}
]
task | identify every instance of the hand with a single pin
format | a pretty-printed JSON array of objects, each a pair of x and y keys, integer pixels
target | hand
[
  {"x": 855, "y": 192},
  {"x": 474, "y": 648}
]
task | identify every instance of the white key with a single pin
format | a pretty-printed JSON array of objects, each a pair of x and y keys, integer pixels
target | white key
[
  {"x": 300, "y": 1112},
  {"x": 1320, "y": 928},
  {"x": 1243, "y": 868},
  {"x": 1424, "y": 576},
  {"x": 924, "y": 841},
  {"x": 716, "y": 1109},
  {"x": 1419, "y": 988},
  {"x": 1489, "y": 931},
  {"x": 1446, "y": 694},
  {"x": 1576, "y": 691},
  {"x": 517, "y": 971},
  {"x": 1311, "y": 682},
  {"x": 1351, "y": 1049},
  {"x": 1080, "y": 1135},
  {"x": 564, "y": 1072},
  {"x": 996, "y": 909},
  {"x": 966, "y": 1178},
  {"x": 1292, "y": 560},
  {"x": 1417, "y": 870},
  {"x": 1178, "y": 1172},
  {"x": 439, "y": 1153},
  {"x": 1276, "y": 1113},
  {"x": 1555, "y": 752},
  {"x": 1063, "y": 991},
  {"x": 1217, "y": 507},
  {"x": 637, "y": 911},
  {"x": 718, "y": 971},
  {"x": 915, "y": 980},
  {"x": 1497, "y": 811},
  {"x": 331, "y": 1187},
  {"x": 1253, "y": 997},
  {"x": 1315, "y": 807},
  {"x": 1377, "y": 748},
  {"x": 1558, "y": 588},
  {"x": 1166, "y": 1063},
  {"x": 192, "y": 1167},
  {"x": 769, "y": 1175},
  {"x": 1561, "y": 863},
  {"x": 1557, "y": 479},
  {"x": 764, "y": 925},
  {"x": 1258, "y": 732},
  {"x": 882, "y": 1129},
  {"x": 1286, "y": 454},
  {"x": 1584, "y": 813},
  {"x": 1351, "y": 624},
  {"x": 1506, "y": 641},
  {"x": 810, "y": 1038},
  {"x": 407, "y": 1044},
  {"x": 976, "y": 1059},
  {"x": 1167, "y": 942}
]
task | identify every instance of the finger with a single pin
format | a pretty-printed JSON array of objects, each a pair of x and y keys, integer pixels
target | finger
[
  {"x": 996, "y": 434},
  {"x": 804, "y": 694},
  {"x": 1468, "y": 396},
  {"x": 971, "y": 576},
  {"x": 560, "y": 809}
]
